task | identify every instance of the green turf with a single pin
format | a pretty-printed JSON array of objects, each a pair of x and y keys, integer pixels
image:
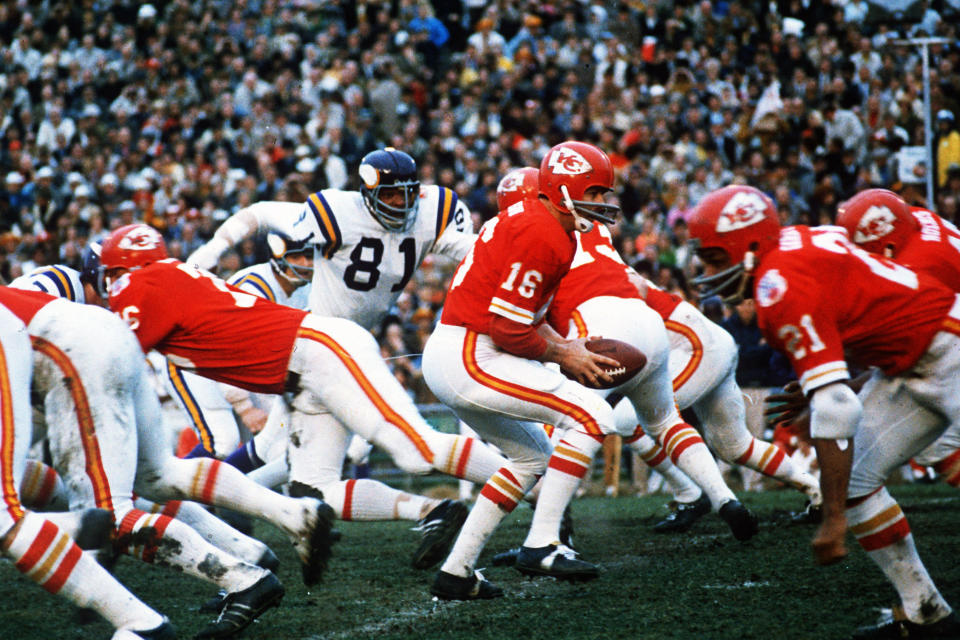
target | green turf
[{"x": 702, "y": 585}]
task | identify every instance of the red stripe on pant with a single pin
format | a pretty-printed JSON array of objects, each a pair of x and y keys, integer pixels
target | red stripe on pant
[
  {"x": 348, "y": 500},
  {"x": 39, "y": 546},
  {"x": 886, "y": 536}
]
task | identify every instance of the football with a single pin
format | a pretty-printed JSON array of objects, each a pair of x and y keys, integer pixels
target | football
[{"x": 631, "y": 360}]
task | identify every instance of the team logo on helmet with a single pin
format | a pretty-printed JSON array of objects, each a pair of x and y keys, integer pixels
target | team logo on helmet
[
  {"x": 567, "y": 162},
  {"x": 771, "y": 288},
  {"x": 143, "y": 238},
  {"x": 742, "y": 210},
  {"x": 512, "y": 182},
  {"x": 876, "y": 223},
  {"x": 369, "y": 175}
]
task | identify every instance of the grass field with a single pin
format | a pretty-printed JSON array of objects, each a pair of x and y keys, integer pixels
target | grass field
[{"x": 701, "y": 585}]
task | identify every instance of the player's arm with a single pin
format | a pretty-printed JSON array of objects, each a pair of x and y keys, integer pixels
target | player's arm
[
  {"x": 457, "y": 238},
  {"x": 253, "y": 417},
  {"x": 269, "y": 215}
]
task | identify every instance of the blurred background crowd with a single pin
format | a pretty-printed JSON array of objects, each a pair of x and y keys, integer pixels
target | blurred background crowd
[{"x": 178, "y": 113}]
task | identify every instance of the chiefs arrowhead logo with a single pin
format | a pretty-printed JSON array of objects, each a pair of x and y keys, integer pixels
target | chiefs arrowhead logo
[
  {"x": 742, "y": 210},
  {"x": 876, "y": 223},
  {"x": 564, "y": 161},
  {"x": 512, "y": 182},
  {"x": 771, "y": 288},
  {"x": 140, "y": 239}
]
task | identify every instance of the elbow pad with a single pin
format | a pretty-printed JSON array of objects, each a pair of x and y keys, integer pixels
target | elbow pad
[{"x": 835, "y": 412}]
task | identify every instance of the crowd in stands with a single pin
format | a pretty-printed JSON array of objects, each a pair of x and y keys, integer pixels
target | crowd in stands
[{"x": 178, "y": 113}]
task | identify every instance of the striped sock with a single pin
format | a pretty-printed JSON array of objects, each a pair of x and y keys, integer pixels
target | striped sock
[
  {"x": 41, "y": 488},
  {"x": 570, "y": 462},
  {"x": 499, "y": 496},
  {"x": 683, "y": 488},
  {"x": 465, "y": 457},
  {"x": 51, "y": 559},
  {"x": 371, "y": 500},
  {"x": 686, "y": 449},
  {"x": 949, "y": 469},
  {"x": 772, "y": 461},
  {"x": 882, "y": 530}
]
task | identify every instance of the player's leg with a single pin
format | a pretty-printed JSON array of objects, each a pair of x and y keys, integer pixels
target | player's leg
[
  {"x": 944, "y": 455},
  {"x": 42, "y": 488},
  {"x": 36, "y": 546},
  {"x": 895, "y": 425},
  {"x": 211, "y": 416},
  {"x": 341, "y": 371},
  {"x": 722, "y": 412}
]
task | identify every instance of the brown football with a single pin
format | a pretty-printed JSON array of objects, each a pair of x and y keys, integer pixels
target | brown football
[{"x": 631, "y": 360}]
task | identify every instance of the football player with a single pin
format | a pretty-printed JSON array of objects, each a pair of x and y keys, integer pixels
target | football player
[
  {"x": 702, "y": 365},
  {"x": 870, "y": 312},
  {"x": 330, "y": 367},
  {"x": 26, "y": 537},
  {"x": 486, "y": 360},
  {"x": 106, "y": 414}
]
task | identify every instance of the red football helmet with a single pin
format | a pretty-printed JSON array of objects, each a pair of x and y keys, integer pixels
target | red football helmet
[
  {"x": 518, "y": 184},
  {"x": 567, "y": 171},
  {"x": 743, "y": 222},
  {"x": 131, "y": 247},
  {"x": 878, "y": 220}
]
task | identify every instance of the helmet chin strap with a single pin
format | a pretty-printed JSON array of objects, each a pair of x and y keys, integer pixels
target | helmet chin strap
[{"x": 583, "y": 225}]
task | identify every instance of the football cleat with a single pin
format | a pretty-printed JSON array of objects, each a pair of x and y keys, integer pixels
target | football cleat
[
  {"x": 566, "y": 528},
  {"x": 313, "y": 544},
  {"x": 165, "y": 631},
  {"x": 438, "y": 530},
  {"x": 301, "y": 490},
  {"x": 94, "y": 531},
  {"x": 742, "y": 523},
  {"x": 811, "y": 514},
  {"x": 506, "y": 558},
  {"x": 447, "y": 586},
  {"x": 684, "y": 516},
  {"x": 892, "y": 628},
  {"x": 557, "y": 561},
  {"x": 240, "y": 609}
]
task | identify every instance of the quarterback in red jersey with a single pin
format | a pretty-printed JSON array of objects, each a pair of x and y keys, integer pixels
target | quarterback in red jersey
[
  {"x": 331, "y": 366},
  {"x": 874, "y": 313},
  {"x": 486, "y": 361}
]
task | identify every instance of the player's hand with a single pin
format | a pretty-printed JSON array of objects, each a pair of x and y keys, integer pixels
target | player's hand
[
  {"x": 786, "y": 406},
  {"x": 585, "y": 365},
  {"x": 829, "y": 546}
]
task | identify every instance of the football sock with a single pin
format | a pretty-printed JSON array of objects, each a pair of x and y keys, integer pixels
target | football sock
[
  {"x": 41, "y": 488},
  {"x": 464, "y": 457},
  {"x": 683, "y": 488},
  {"x": 245, "y": 458},
  {"x": 686, "y": 449},
  {"x": 371, "y": 500},
  {"x": 771, "y": 460}
]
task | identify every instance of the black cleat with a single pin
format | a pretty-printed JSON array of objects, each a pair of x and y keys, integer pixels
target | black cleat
[
  {"x": 165, "y": 631},
  {"x": 268, "y": 560},
  {"x": 506, "y": 558},
  {"x": 684, "y": 517},
  {"x": 447, "y": 586},
  {"x": 215, "y": 603},
  {"x": 313, "y": 546},
  {"x": 302, "y": 490},
  {"x": 243, "y": 607},
  {"x": 566, "y": 528},
  {"x": 742, "y": 523},
  {"x": 810, "y": 515},
  {"x": 438, "y": 529},
  {"x": 890, "y": 628},
  {"x": 556, "y": 561}
]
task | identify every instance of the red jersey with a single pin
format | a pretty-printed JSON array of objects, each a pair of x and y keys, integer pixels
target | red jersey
[
  {"x": 24, "y": 303},
  {"x": 201, "y": 323},
  {"x": 596, "y": 270},
  {"x": 934, "y": 249},
  {"x": 512, "y": 270},
  {"x": 661, "y": 301},
  {"x": 823, "y": 300}
]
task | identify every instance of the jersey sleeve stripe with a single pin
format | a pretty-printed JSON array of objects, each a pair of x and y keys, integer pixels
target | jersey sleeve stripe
[
  {"x": 507, "y": 310},
  {"x": 259, "y": 284},
  {"x": 823, "y": 375},
  {"x": 64, "y": 277},
  {"x": 446, "y": 205},
  {"x": 327, "y": 223}
]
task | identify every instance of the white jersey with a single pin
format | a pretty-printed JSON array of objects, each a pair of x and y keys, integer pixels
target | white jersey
[
  {"x": 261, "y": 281},
  {"x": 57, "y": 280}
]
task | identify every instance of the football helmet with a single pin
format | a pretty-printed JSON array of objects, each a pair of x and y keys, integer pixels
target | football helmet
[
  {"x": 517, "y": 185},
  {"x": 566, "y": 173},
  {"x": 743, "y": 222},
  {"x": 91, "y": 271},
  {"x": 131, "y": 247},
  {"x": 878, "y": 220},
  {"x": 281, "y": 245},
  {"x": 390, "y": 168}
]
